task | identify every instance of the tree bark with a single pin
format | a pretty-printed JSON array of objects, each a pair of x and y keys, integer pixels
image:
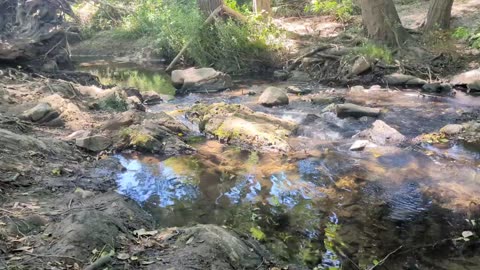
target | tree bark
[
  {"x": 260, "y": 6},
  {"x": 382, "y": 22},
  {"x": 208, "y": 6},
  {"x": 439, "y": 15}
]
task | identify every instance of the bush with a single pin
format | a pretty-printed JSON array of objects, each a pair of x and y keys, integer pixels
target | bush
[
  {"x": 225, "y": 44},
  {"x": 373, "y": 51},
  {"x": 342, "y": 10}
]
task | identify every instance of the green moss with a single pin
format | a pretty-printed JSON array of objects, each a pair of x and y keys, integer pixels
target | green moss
[
  {"x": 113, "y": 103},
  {"x": 374, "y": 51},
  {"x": 225, "y": 133},
  {"x": 136, "y": 137},
  {"x": 257, "y": 234}
]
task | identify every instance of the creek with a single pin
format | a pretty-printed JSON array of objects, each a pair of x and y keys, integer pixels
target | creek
[{"x": 332, "y": 206}]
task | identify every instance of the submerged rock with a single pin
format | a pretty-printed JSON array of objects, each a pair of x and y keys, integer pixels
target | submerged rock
[
  {"x": 452, "y": 129},
  {"x": 238, "y": 124},
  {"x": 382, "y": 134},
  {"x": 322, "y": 100},
  {"x": 437, "y": 88},
  {"x": 353, "y": 110},
  {"x": 202, "y": 80},
  {"x": 273, "y": 96},
  {"x": 297, "y": 90},
  {"x": 359, "y": 145},
  {"x": 403, "y": 79},
  {"x": 151, "y": 98},
  {"x": 94, "y": 143}
]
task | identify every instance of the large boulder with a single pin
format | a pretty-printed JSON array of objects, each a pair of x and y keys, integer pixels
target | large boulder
[
  {"x": 240, "y": 125},
  {"x": 465, "y": 78},
  {"x": 42, "y": 113},
  {"x": 403, "y": 79},
  {"x": 202, "y": 80},
  {"x": 382, "y": 134},
  {"x": 273, "y": 96}
]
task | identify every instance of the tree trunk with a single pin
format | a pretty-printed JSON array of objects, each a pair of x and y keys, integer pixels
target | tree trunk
[
  {"x": 381, "y": 20},
  {"x": 260, "y": 6},
  {"x": 208, "y": 6},
  {"x": 439, "y": 15}
]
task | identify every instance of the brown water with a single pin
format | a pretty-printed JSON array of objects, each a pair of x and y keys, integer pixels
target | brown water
[{"x": 325, "y": 206}]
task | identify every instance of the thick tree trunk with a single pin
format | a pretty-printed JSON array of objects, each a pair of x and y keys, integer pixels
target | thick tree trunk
[
  {"x": 439, "y": 15},
  {"x": 381, "y": 20},
  {"x": 260, "y": 6},
  {"x": 208, "y": 6}
]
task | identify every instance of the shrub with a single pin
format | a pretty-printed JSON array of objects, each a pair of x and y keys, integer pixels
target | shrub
[
  {"x": 374, "y": 51},
  {"x": 342, "y": 10}
]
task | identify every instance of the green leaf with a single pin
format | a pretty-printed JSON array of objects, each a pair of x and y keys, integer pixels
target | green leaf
[
  {"x": 257, "y": 234},
  {"x": 375, "y": 262}
]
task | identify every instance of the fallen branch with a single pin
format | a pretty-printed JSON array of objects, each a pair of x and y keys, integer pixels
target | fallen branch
[
  {"x": 298, "y": 60},
  {"x": 100, "y": 263},
  {"x": 385, "y": 258}
]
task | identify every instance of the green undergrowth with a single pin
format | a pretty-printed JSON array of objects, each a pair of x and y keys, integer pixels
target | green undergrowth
[
  {"x": 471, "y": 37},
  {"x": 225, "y": 44},
  {"x": 342, "y": 10},
  {"x": 373, "y": 51}
]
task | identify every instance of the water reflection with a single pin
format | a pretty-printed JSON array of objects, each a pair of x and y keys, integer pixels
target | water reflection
[
  {"x": 130, "y": 75},
  {"x": 333, "y": 212}
]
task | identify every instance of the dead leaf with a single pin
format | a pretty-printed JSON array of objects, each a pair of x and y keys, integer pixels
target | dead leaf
[
  {"x": 147, "y": 262},
  {"x": 25, "y": 248},
  {"x": 467, "y": 234}
]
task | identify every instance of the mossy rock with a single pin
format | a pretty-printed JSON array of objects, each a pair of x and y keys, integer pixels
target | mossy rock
[{"x": 237, "y": 124}]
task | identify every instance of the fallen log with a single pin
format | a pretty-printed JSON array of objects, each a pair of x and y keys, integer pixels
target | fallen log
[{"x": 353, "y": 110}]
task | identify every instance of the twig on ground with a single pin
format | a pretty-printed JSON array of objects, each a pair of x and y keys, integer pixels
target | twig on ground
[{"x": 385, "y": 258}]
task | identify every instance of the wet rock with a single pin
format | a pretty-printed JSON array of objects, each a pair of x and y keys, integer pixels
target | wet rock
[
  {"x": 281, "y": 75},
  {"x": 452, "y": 129},
  {"x": 153, "y": 133},
  {"x": 240, "y": 125},
  {"x": 94, "y": 143},
  {"x": 474, "y": 86},
  {"x": 359, "y": 145},
  {"x": 382, "y": 134},
  {"x": 133, "y": 92},
  {"x": 353, "y": 110},
  {"x": 403, "y": 79},
  {"x": 203, "y": 80},
  {"x": 323, "y": 100},
  {"x": 465, "y": 78},
  {"x": 299, "y": 76},
  {"x": 297, "y": 90},
  {"x": 151, "y": 98},
  {"x": 360, "y": 66},
  {"x": 437, "y": 88},
  {"x": 273, "y": 96},
  {"x": 471, "y": 132}
]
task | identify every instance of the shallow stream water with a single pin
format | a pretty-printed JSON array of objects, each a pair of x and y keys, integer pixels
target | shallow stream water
[{"x": 324, "y": 206}]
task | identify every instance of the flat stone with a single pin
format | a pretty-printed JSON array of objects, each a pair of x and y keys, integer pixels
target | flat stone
[
  {"x": 359, "y": 145},
  {"x": 382, "y": 134},
  {"x": 202, "y": 80},
  {"x": 360, "y": 66},
  {"x": 474, "y": 86},
  {"x": 297, "y": 90},
  {"x": 452, "y": 129},
  {"x": 403, "y": 79},
  {"x": 273, "y": 96},
  {"x": 466, "y": 78},
  {"x": 94, "y": 143},
  {"x": 322, "y": 100}
]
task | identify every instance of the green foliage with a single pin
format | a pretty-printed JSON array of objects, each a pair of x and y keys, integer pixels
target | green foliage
[
  {"x": 257, "y": 234},
  {"x": 224, "y": 44},
  {"x": 342, "y": 10},
  {"x": 468, "y": 35},
  {"x": 113, "y": 103},
  {"x": 373, "y": 51},
  {"x": 136, "y": 137}
]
